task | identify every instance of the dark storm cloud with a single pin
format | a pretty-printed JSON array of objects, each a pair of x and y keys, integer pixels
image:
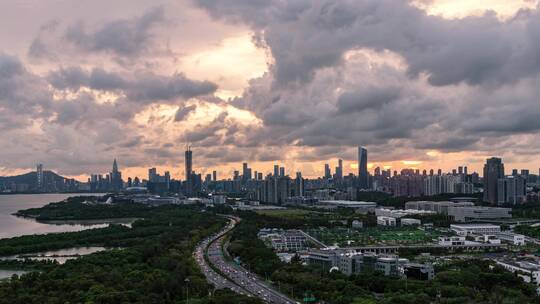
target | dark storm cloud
[
  {"x": 367, "y": 98},
  {"x": 474, "y": 50},
  {"x": 144, "y": 87},
  {"x": 23, "y": 95},
  {"x": 128, "y": 37},
  {"x": 481, "y": 72}
]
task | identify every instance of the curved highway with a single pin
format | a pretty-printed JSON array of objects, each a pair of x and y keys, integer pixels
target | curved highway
[{"x": 229, "y": 274}]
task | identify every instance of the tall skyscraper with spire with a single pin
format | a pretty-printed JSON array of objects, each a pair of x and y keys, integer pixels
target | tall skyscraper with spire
[
  {"x": 116, "y": 177},
  {"x": 363, "y": 175}
]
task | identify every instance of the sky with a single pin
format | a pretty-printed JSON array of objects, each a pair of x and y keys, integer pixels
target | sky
[{"x": 422, "y": 84}]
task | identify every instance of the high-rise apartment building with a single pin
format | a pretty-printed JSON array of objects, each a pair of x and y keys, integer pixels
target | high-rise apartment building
[
  {"x": 39, "y": 176},
  {"x": 363, "y": 175},
  {"x": 299, "y": 185},
  {"x": 493, "y": 171},
  {"x": 511, "y": 189},
  {"x": 152, "y": 173},
  {"x": 327, "y": 173},
  {"x": 246, "y": 172},
  {"x": 339, "y": 170}
]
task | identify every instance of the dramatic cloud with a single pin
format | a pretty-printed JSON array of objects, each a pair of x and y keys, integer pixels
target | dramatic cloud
[
  {"x": 127, "y": 37},
  {"x": 141, "y": 79},
  {"x": 145, "y": 87},
  {"x": 310, "y": 35}
]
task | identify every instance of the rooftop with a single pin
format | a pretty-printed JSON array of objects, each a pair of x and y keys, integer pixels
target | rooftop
[
  {"x": 347, "y": 203},
  {"x": 469, "y": 226}
]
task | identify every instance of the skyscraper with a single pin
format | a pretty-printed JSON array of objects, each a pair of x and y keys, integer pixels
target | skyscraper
[
  {"x": 339, "y": 169},
  {"x": 511, "y": 189},
  {"x": 116, "y": 177},
  {"x": 276, "y": 170},
  {"x": 299, "y": 185},
  {"x": 493, "y": 171},
  {"x": 188, "y": 163},
  {"x": 214, "y": 175},
  {"x": 363, "y": 175},
  {"x": 189, "y": 170},
  {"x": 152, "y": 173},
  {"x": 327, "y": 173},
  {"x": 246, "y": 172},
  {"x": 39, "y": 175}
]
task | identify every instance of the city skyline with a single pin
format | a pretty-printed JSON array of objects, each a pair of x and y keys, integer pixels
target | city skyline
[
  {"x": 314, "y": 169},
  {"x": 136, "y": 80},
  {"x": 328, "y": 171}
]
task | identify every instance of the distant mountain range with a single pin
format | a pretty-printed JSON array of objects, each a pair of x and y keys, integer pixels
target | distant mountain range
[{"x": 52, "y": 181}]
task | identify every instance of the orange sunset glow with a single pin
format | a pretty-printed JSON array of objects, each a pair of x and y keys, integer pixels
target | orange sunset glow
[{"x": 241, "y": 87}]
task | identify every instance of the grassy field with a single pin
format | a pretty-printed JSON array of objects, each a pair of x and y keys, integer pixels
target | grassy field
[{"x": 344, "y": 237}]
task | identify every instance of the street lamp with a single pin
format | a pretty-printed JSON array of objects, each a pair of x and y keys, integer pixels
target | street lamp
[{"x": 187, "y": 290}]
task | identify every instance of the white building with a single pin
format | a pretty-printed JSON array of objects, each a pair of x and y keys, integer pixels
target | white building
[
  {"x": 461, "y": 211},
  {"x": 391, "y": 266},
  {"x": 466, "y": 229},
  {"x": 283, "y": 240},
  {"x": 357, "y": 224},
  {"x": 466, "y": 214},
  {"x": 438, "y": 207},
  {"x": 451, "y": 240},
  {"x": 386, "y": 221},
  {"x": 528, "y": 271},
  {"x": 399, "y": 213},
  {"x": 410, "y": 222},
  {"x": 358, "y": 205},
  {"x": 512, "y": 238}
]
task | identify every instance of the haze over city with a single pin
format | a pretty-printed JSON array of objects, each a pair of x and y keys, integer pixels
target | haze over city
[
  {"x": 421, "y": 84},
  {"x": 270, "y": 151}
]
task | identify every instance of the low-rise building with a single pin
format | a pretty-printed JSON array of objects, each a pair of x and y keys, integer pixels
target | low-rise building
[
  {"x": 357, "y": 224},
  {"x": 451, "y": 240},
  {"x": 461, "y": 211},
  {"x": 467, "y": 214},
  {"x": 357, "y": 205},
  {"x": 466, "y": 229},
  {"x": 284, "y": 240},
  {"x": 438, "y": 207},
  {"x": 424, "y": 272},
  {"x": 512, "y": 238},
  {"x": 350, "y": 263},
  {"x": 386, "y": 221},
  {"x": 410, "y": 222},
  {"x": 399, "y": 213},
  {"x": 528, "y": 271},
  {"x": 392, "y": 266}
]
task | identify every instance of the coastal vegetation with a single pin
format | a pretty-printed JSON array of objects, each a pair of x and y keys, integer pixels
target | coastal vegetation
[{"x": 155, "y": 264}]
